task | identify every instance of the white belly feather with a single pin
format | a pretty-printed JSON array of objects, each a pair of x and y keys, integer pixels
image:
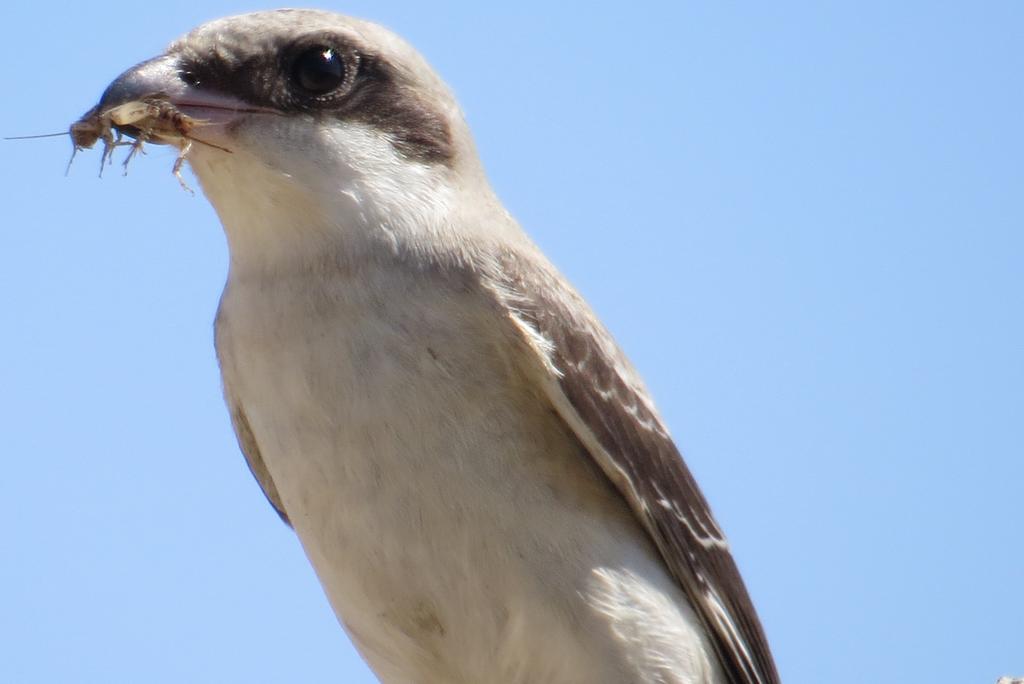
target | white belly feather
[{"x": 452, "y": 519}]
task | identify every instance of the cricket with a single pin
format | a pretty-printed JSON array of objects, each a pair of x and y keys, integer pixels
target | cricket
[{"x": 153, "y": 118}]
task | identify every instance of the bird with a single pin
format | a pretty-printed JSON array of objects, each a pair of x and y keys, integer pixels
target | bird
[{"x": 477, "y": 474}]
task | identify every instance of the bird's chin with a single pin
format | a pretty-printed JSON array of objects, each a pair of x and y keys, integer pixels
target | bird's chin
[
  {"x": 211, "y": 105},
  {"x": 208, "y": 116},
  {"x": 214, "y": 116}
]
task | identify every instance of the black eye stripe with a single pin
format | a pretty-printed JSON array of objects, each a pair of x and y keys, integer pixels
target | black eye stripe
[
  {"x": 326, "y": 75},
  {"x": 190, "y": 77}
]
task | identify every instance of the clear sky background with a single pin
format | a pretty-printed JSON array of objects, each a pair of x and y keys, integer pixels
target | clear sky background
[{"x": 803, "y": 222}]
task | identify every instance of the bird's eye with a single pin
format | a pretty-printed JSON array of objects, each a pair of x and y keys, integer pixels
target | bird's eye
[{"x": 319, "y": 70}]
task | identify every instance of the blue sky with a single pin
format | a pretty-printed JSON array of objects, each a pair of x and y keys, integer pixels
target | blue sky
[{"x": 803, "y": 222}]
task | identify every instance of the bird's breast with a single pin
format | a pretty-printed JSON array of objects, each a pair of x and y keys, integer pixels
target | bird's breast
[{"x": 452, "y": 519}]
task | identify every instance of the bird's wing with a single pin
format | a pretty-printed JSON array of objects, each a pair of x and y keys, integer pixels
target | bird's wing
[
  {"x": 247, "y": 443},
  {"x": 599, "y": 395}
]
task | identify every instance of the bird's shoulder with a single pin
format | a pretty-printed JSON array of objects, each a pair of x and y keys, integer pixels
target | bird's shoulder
[{"x": 600, "y": 396}]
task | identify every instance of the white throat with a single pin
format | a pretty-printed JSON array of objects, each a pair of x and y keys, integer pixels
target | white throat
[{"x": 339, "y": 191}]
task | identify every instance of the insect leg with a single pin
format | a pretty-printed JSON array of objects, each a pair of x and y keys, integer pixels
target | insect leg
[{"x": 185, "y": 149}]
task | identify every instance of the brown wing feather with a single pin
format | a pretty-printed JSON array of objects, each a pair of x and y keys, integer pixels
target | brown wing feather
[
  {"x": 603, "y": 400},
  {"x": 244, "y": 434},
  {"x": 247, "y": 443}
]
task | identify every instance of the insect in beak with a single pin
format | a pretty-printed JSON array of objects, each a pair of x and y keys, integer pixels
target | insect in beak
[{"x": 153, "y": 118}]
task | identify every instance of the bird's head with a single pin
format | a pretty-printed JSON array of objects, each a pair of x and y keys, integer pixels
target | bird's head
[{"x": 312, "y": 119}]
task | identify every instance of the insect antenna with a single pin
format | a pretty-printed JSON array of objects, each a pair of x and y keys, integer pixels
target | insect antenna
[{"x": 32, "y": 137}]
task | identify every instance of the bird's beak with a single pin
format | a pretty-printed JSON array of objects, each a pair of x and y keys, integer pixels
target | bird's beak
[
  {"x": 161, "y": 80},
  {"x": 155, "y": 76}
]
